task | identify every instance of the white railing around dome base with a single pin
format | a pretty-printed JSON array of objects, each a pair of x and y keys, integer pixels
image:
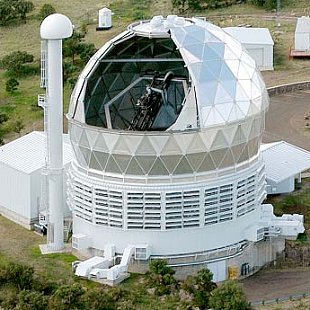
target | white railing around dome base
[{"x": 205, "y": 256}]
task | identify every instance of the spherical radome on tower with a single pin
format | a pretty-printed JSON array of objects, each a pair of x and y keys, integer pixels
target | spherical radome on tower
[{"x": 56, "y": 27}]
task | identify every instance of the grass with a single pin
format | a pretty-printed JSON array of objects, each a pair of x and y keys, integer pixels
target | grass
[{"x": 21, "y": 245}]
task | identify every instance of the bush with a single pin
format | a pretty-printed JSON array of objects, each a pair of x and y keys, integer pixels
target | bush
[
  {"x": 31, "y": 300},
  {"x": 102, "y": 299},
  {"x": 3, "y": 118},
  {"x": 267, "y": 4},
  {"x": 19, "y": 275},
  {"x": 14, "y": 10},
  {"x": 15, "y": 63},
  {"x": 46, "y": 10},
  {"x": 11, "y": 85},
  {"x": 229, "y": 296},
  {"x": 68, "y": 297}
]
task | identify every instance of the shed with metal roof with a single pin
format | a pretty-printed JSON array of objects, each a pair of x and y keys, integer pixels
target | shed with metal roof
[
  {"x": 284, "y": 164},
  {"x": 21, "y": 165},
  {"x": 258, "y": 42}
]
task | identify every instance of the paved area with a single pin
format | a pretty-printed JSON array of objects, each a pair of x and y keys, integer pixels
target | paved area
[
  {"x": 267, "y": 285},
  {"x": 286, "y": 119}
]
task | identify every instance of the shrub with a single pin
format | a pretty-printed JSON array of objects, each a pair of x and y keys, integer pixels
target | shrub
[
  {"x": 46, "y": 10},
  {"x": 11, "y": 85},
  {"x": 31, "y": 300},
  {"x": 101, "y": 299},
  {"x": 15, "y": 63},
  {"x": 14, "y": 10},
  {"x": 19, "y": 275},
  {"x": 68, "y": 297},
  {"x": 229, "y": 296}
]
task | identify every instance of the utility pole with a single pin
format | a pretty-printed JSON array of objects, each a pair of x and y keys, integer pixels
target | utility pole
[{"x": 278, "y": 13}]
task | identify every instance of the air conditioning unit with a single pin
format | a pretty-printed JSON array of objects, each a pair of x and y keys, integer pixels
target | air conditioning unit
[
  {"x": 80, "y": 241},
  {"x": 143, "y": 252}
]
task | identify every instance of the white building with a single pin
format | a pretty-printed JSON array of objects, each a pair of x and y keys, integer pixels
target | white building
[
  {"x": 166, "y": 122},
  {"x": 258, "y": 42},
  {"x": 302, "y": 34},
  {"x": 284, "y": 164},
  {"x": 21, "y": 165},
  {"x": 104, "y": 19}
]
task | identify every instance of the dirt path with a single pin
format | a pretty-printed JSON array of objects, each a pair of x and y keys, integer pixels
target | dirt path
[{"x": 286, "y": 119}]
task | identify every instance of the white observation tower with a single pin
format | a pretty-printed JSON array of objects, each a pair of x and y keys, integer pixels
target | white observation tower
[{"x": 54, "y": 29}]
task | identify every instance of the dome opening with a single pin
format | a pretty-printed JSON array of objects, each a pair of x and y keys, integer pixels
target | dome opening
[{"x": 140, "y": 84}]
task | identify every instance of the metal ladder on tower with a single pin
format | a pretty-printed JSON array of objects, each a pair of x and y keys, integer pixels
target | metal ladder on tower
[{"x": 42, "y": 102}]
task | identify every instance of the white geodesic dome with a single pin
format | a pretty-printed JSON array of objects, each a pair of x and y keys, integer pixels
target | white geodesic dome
[{"x": 228, "y": 85}]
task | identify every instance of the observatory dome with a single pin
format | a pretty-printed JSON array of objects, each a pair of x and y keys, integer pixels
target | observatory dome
[
  {"x": 166, "y": 122},
  {"x": 198, "y": 78}
]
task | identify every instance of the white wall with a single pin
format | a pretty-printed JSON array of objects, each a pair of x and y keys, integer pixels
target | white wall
[
  {"x": 174, "y": 241},
  {"x": 35, "y": 193},
  {"x": 15, "y": 199},
  {"x": 20, "y": 195},
  {"x": 219, "y": 270},
  {"x": 286, "y": 186},
  {"x": 262, "y": 54},
  {"x": 302, "y": 41}
]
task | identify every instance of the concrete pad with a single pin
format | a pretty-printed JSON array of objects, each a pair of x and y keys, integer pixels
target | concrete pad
[{"x": 45, "y": 249}]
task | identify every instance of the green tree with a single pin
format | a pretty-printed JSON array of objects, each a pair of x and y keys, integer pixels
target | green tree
[
  {"x": 71, "y": 46},
  {"x": 86, "y": 51},
  {"x": 267, "y": 4},
  {"x": 15, "y": 63},
  {"x": 200, "y": 287},
  {"x": 161, "y": 277},
  {"x": 180, "y": 5},
  {"x": 228, "y": 296},
  {"x": 11, "y": 85},
  {"x": 14, "y": 9},
  {"x": 46, "y": 10}
]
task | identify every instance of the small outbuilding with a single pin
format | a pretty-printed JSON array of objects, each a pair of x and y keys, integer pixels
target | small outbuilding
[
  {"x": 302, "y": 34},
  {"x": 284, "y": 164},
  {"x": 258, "y": 42},
  {"x": 104, "y": 19},
  {"x": 21, "y": 164}
]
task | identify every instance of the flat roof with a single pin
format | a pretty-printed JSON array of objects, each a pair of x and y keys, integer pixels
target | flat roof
[
  {"x": 250, "y": 35},
  {"x": 284, "y": 160},
  {"x": 27, "y": 153}
]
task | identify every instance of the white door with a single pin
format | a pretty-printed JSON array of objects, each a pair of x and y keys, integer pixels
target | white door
[{"x": 219, "y": 270}]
